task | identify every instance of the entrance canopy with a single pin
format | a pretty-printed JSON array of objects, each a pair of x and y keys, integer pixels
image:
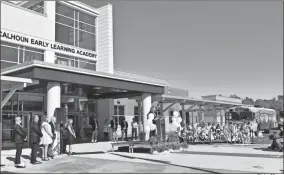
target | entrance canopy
[
  {"x": 12, "y": 84},
  {"x": 93, "y": 84},
  {"x": 194, "y": 103}
]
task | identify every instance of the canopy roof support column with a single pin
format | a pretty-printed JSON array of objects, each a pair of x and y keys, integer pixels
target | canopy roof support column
[
  {"x": 146, "y": 100},
  {"x": 183, "y": 114}
]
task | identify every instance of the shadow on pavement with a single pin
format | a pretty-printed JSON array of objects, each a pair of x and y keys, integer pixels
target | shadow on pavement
[
  {"x": 96, "y": 152},
  {"x": 266, "y": 149},
  {"x": 26, "y": 157},
  {"x": 167, "y": 163},
  {"x": 230, "y": 154},
  {"x": 6, "y": 172},
  {"x": 12, "y": 159}
]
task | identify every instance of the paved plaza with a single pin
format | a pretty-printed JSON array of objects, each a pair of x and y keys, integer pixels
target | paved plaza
[{"x": 97, "y": 158}]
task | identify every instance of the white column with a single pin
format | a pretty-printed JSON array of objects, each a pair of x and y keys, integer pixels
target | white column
[
  {"x": 146, "y": 100},
  {"x": 53, "y": 97}
]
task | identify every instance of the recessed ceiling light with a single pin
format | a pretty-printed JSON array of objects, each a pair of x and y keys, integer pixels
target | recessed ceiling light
[
  {"x": 97, "y": 87},
  {"x": 96, "y": 94}
]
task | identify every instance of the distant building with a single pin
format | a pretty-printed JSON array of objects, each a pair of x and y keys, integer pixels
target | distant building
[
  {"x": 222, "y": 98},
  {"x": 280, "y": 97}
]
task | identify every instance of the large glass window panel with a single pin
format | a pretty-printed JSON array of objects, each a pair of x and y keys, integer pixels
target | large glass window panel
[
  {"x": 87, "y": 28},
  {"x": 115, "y": 111},
  {"x": 64, "y": 10},
  {"x": 6, "y": 64},
  {"x": 91, "y": 106},
  {"x": 9, "y": 53},
  {"x": 8, "y": 122},
  {"x": 87, "y": 40},
  {"x": 120, "y": 110},
  {"x": 87, "y": 18},
  {"x": 31, "y": 102},
  {"x": 65, "y": 20},
  {"x": 65, "y": 61},
  {"x": 91, "y": 65},
  {"x": 34, "y": 55},
  {"x": 39, "y": 7},
  {"x": 64, "y": 34}
]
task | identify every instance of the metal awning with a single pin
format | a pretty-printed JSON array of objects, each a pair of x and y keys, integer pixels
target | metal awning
[
  {"x": 12, "y": 84},
  {"x": 194, "y": 101}
]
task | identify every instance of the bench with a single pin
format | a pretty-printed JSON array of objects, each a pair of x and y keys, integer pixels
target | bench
[{"x": 132, "y": 145}]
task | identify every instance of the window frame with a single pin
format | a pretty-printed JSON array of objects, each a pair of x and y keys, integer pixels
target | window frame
[{"x": 77, "y": 27}]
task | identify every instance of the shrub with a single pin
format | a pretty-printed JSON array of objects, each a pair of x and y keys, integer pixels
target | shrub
[
  {"x": 165, "y": 146},
  {"x": 184, "y": 145}
]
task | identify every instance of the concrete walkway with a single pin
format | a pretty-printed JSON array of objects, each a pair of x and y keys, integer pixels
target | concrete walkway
[{"x": 215, "y": 158}]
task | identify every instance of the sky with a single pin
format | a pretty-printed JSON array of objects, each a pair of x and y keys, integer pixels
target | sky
[{"x": 206, "y": 47}]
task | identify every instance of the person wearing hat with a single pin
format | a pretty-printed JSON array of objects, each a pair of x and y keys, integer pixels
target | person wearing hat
[{"x": 20, "y": 136}]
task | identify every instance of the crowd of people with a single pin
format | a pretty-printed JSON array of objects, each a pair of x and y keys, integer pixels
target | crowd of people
[
  {"x": 230, "y": 132},
  {"x": 41, "y": 134},
  {"x": 111, "y": 127}
]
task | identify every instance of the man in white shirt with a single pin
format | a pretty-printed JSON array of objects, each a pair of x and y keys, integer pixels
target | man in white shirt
[{"x": 134, "y": 126}]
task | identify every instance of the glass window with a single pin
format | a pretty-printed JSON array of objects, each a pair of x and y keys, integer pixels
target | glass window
[
  {"x": 39, "y": 7},
  {"x": 64, "y": 20},
  {"x": 64, "y": 34},
  {"x": 75, "y": 62},
  {"x": 31, "y": 102},
  {"x": 64, "y": 10},
  {"x": 82, "y": 34},
  {"x": 12, "y": 54},
  {"x": 121, "y": 110},
  {"x": 6, "y": 64},
  {"x": 34, "y": 55},
  {"x": 8, "y": 122},
  {"x": 87, "y": 27},
  {"x": 65, "y": 61},
  {"x": 115, "y": 111},
  {"x": 87, "y": 19},
  {"x": 9, "y": 53},
  {"x": 91, "y": 65},
  {"x": 87, "y": 40}
]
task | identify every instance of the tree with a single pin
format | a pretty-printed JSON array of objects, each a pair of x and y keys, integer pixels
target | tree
[
  {"x": 235, "y": 96},
  {"x": 248, "y": 101},
  {"x": 262, "y": 103}
]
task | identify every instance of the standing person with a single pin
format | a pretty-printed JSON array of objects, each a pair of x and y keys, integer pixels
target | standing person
[
  {"x": 46, "y": 136},
  {"x": 50, "y": 146},
  {"x": 63, "y": 136},
  {"x": 20, "y": 136},
  {"x": 94, "y": 130},
  {"x": 134, "y": 126},
  {"x": 114, "y": 126},
  {"x": 71, "y": 136},
  {"x": 106, "y": 130},
  {"x": 124, "y": 128},
  {"x": 35, "y": 135}
]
